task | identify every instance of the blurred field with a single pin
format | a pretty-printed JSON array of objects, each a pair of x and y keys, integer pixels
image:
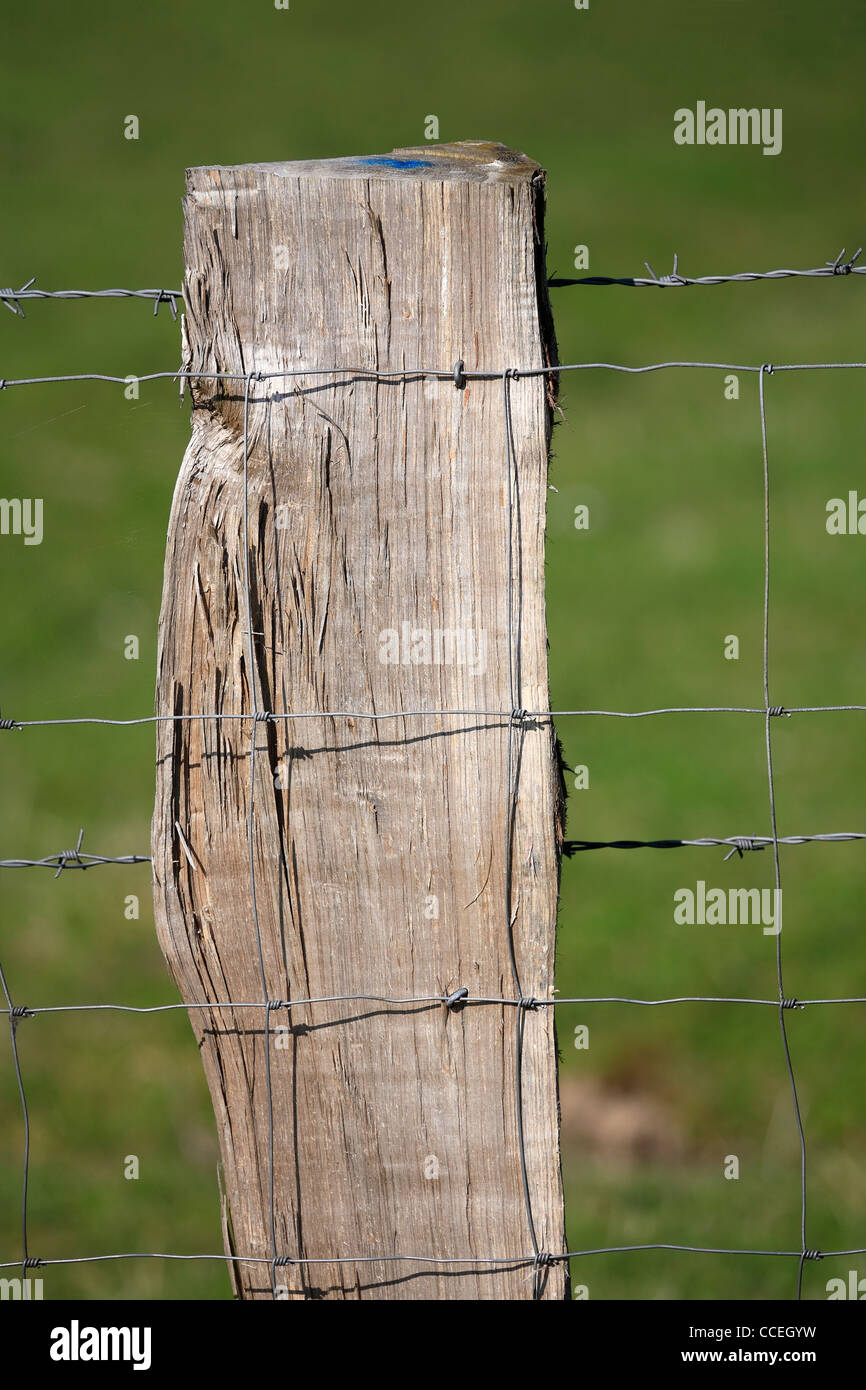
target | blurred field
[{"x": 638, "y": 606}]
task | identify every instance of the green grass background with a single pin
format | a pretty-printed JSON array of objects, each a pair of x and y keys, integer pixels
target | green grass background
[{"x": 638, "y": 606}]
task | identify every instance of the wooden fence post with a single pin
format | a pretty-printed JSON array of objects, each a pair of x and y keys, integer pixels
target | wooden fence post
[{"x": 392, "y": 558}]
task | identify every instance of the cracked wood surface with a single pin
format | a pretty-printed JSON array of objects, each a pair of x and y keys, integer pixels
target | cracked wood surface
[{"x": 375, "y": 507}]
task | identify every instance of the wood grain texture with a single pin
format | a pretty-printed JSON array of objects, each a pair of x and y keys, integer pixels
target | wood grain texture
[{"x": 375, "y": 507}]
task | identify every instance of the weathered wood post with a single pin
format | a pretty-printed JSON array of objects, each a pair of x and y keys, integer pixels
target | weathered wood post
[{"x": 392, "y": 558}]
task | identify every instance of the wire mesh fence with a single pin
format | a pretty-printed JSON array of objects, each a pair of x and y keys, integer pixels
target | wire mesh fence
[{"x": 518, "y": 723}]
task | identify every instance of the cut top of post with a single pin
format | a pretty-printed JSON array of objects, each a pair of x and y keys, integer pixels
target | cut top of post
[
  {"x": 413, "y": 260},
  {"x": 470, "y": 161}
]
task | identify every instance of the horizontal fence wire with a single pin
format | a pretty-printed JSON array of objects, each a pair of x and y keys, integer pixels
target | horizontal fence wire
[
  {"x": 519, "y": 722},
  {"x": 838, "y": 266},
  {"x": 457, "y": 1000},
  {"x": 458, "y": 371},
  {"x": 541, "y": 716},
  {"x": 504, "y": 1263},
  {"x": 12, "y": 298},
  {"x": 740, "y": 844},
  {"x": 76, "y": 858}
]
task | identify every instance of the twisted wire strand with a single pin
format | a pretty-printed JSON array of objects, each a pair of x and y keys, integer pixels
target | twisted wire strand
[
  {"x": 740, "y": 844},
  {"x": 12, "y": 298},
  {"x": 68, "y": 859},
  {"x": 838, "y": 266}
]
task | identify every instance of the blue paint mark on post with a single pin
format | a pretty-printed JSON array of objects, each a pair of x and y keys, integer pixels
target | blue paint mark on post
[{"x": 387, "y": 163}]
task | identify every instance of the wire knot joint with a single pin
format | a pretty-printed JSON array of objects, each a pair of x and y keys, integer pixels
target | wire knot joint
[
  {"x": 840, "y": 267},
  {"x": 10, "y": 298},
  {"x": 741, "y": 844},
  {"x": 166, "y": 297},
  {"x": 66, "y": 857},
  {"x": 673, "y": 279}
]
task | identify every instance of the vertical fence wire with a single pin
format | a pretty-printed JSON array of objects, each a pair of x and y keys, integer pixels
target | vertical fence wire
[{"x": 767, "y": 370}]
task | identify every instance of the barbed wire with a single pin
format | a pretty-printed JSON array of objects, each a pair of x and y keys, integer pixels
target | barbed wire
[
  {"x": 12, "y": 298},
  {"x": 519, "y": 723},
  {"x": 740, "y": 844},
  {"x": 838, "y": 266},
  {"x": 74, "y": 859}
]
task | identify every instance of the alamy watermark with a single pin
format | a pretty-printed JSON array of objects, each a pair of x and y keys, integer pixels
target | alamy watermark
[
  {"x": 22, "y": 516},
  {"x": 436, "y": 646},
  {"x": 720, "y": 907},
  {"x": 855, "y": 1287},
  {"x": 846, "y": 516},
  {"x": 740, "y": 125},
  {"x": 77, "y": 1343},
  {"x": 20, "y": 1290}
]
